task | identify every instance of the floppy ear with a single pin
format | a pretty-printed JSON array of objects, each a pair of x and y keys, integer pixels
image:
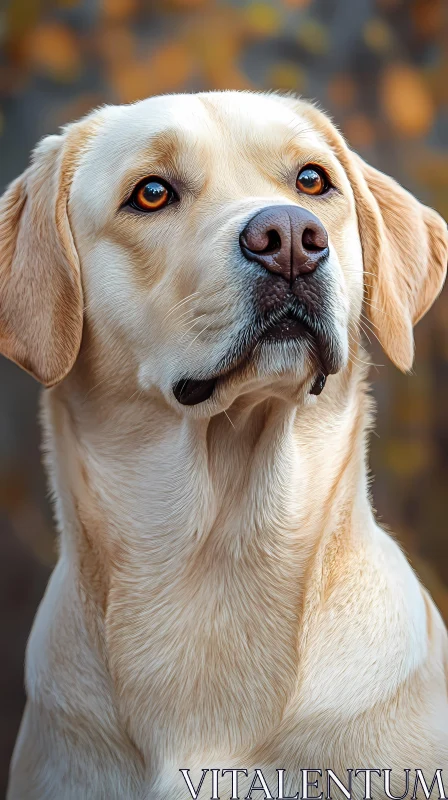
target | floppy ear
[
  {"x": 41, "y": 308},
  {"x": 405, "y": 248}
]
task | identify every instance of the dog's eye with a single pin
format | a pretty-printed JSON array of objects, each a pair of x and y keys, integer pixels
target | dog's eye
[
  {"x": 152, "y": 194},
  {"x": 312, "y": 180}
]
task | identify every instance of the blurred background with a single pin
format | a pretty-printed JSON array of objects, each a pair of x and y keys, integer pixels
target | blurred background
[{"x": 381, "y": 68}]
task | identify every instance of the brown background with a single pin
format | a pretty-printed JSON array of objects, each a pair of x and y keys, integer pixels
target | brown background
[{"x": 381, "y": 68}]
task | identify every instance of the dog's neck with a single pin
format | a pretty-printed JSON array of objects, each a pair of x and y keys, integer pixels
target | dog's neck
[
  {"x": 166, "y": 479},
  {"x": 172, "y": 520}
]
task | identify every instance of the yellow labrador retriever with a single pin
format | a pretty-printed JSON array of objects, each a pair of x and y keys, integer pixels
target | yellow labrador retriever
[{"x": 186, "y": 275}]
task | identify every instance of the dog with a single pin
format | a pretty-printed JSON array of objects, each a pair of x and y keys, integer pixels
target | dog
[{"x": 186, "y": 277}]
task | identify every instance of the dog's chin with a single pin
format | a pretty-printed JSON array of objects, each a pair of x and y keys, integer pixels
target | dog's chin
[
  {"x": 269, "y": 365},
  {"x": 284, "y": 360}
]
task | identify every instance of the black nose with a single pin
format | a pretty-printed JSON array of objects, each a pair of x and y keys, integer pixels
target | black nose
[{"x": 286, "y": 240}]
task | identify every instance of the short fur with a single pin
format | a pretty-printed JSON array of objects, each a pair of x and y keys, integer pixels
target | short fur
[{"x": 223, "y": 595}]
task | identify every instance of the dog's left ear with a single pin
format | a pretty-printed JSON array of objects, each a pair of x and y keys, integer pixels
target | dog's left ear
[
  {"x": 405, "y": 248},
  {"x": 41, "y": 305}
]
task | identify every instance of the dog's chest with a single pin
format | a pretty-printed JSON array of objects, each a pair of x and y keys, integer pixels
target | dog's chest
[{"x": 204, "y": 658}]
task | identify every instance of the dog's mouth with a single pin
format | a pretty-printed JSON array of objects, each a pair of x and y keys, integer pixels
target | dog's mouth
[
  {"x": 290, "y": 327},
  {"x": 190, "y": 392}
]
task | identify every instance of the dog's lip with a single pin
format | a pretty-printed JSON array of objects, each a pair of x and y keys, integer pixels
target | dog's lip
[{"x": 192, "y": 391}]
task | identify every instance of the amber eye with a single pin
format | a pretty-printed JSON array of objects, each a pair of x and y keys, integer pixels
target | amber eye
[
  {"x": 152, "y": 194},
  {"x": 312, "y": 180}
]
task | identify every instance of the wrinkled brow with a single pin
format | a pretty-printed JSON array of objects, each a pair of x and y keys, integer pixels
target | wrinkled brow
[
  {"x": 165, "y": 146},
  {"x": 278, "y": 157},
  {"x": 174, "y": 154}
]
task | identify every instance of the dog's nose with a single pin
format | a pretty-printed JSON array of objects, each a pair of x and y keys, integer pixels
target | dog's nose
[{"x": 286, "y": 240}]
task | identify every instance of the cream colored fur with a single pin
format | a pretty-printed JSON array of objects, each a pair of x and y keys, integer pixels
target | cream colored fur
[{"x": 223, "y": 595}]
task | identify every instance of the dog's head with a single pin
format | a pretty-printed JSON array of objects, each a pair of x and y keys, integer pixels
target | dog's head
[{"x": 216, "y": 243}]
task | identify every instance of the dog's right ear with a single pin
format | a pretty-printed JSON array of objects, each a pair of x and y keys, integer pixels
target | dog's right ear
[{"x": 41, "y": 306}]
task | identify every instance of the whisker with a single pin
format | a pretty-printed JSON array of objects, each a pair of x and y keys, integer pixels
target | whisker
[
  {"x": 369, "y": 304},
  {"x": 198, "y": 335},
  {"x": 185, "y": 314},
  {"x": 367, "y": 272},
  {"x": 138, "y": 392},
  {"x": 179, "y": 304},
  {"x": 233, "y": 426},
  {"x": 364, "y": 322},
  {"x": 364, "y": 363},
  {"x": 365, "y": 332},
  {"x": 369, "y": 320},
  {"x": 187, "y": 331},
  {"x": 94, "y": 388}
]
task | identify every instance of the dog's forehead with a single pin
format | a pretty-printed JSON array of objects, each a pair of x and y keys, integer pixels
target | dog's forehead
[{"x": 207, "y": 117}]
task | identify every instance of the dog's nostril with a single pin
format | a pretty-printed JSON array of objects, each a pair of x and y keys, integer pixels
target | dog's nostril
[
  {"x": 314, "y": 240},
  {"x": 274, "y": 242}
]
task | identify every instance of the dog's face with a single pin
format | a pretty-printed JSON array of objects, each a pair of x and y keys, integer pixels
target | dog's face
[
  {"x": 219, "y": 235},
  {"x": 222, "y": 243}
]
